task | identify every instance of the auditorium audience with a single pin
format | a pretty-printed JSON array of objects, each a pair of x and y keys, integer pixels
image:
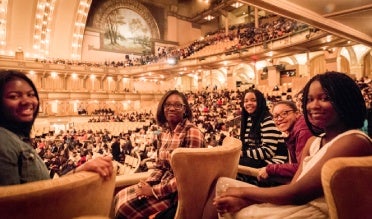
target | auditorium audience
[
  {"x": 216, "y": 112},
  {"x": 223, "y": 118}
]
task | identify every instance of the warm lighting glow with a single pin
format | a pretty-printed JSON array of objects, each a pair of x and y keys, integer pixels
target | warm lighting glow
[
  {"x": 260, "y": 64},
  {"x": 54, "y": 74},
  {"x": 209, "y": 17},
  {"x": 329, "y": 38},
  {"x": 237, "y": 4},
  {"x": 301, "y": 58},
  {"x": 172, "y": 61}
]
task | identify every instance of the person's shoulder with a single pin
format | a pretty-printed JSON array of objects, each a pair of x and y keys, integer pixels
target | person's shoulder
[
  {"x": 354, "y": 141},
  {"x": 268, "y": 119},
  {"x": 8, "y": 139},
  {"x": 301, "y": 120},
  {"x": 300, "y": 125},
  {"x": 6, "y": 134},
  {"x": 355, "y": 134},
  {"x": 194, "y": 130}
]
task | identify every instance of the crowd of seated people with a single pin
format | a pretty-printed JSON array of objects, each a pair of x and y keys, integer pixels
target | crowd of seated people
[
  {"x": 104, "y": 111},
  {"x": 66, "y": 150},
  {"x": 247, "y": 34},
  {"x": 123, "y": 117},
  {"x": 216, "y": 112}
]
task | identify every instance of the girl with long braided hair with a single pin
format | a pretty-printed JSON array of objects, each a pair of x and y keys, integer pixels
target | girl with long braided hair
[{"x": 263, "y": 143}]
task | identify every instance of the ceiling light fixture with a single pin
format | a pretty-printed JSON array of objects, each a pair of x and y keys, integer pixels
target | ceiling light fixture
[
  {"x": 237, "y": 4},
  {"x": 209, "y": 17}
]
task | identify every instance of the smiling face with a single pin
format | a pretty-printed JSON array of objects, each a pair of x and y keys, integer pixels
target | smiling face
[
  {"x": 319, "y": 108},
  {"x": 250, "y": 102},
  {"x": 284, "y": 117},
  {"x": 19, "y": 101},
  {"x": 174, "y": 109}
]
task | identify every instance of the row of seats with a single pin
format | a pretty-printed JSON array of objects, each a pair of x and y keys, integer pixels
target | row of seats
[
  {"x": 115, "y": 128},
  {"x": 85, "y": 195},
  {"x": 131, "y": 164}
]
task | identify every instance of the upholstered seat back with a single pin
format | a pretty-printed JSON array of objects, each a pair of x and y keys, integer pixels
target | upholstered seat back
[
  {"x": 197, "y": 170},
  {"x": 74, "y": 195},
  {"x": 347, "y": 185}
]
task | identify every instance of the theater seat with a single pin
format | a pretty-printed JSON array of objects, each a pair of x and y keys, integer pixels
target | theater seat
[
  {"x": 347, "y": 185},
  {"x": 197, "y": 170},
  {"x": 83, "y": 194}
]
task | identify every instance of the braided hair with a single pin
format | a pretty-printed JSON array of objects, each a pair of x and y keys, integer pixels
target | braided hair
[
  {"x": 345, "y": 97},
  {"x": 258, "y": 115}
]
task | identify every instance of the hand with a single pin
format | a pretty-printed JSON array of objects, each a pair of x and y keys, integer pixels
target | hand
[
  {"x": 143, "y": 190},
  {"x": 262, "y": 174},
  {"x": 232, "y": 191},
  {"x": 229, "y": 204},
  {"x": 101, "y": 165}
]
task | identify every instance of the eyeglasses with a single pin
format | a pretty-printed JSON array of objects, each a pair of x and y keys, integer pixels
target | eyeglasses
[
  {"x": 282, "y": 115},
  {"x": 176, "y": 106}
]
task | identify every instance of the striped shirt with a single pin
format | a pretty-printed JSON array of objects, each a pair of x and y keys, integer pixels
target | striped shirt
[{"x": 270, "y": 147}]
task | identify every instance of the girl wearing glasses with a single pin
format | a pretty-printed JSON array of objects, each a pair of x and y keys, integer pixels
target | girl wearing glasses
[
  {"x": 158, "y": 192},
  {"x": 291, "y": 122}
]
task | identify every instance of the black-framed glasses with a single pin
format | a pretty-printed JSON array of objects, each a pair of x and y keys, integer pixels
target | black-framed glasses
[
  {"x": 282, "y": 115},
  {"x": 176, "y": 106}
]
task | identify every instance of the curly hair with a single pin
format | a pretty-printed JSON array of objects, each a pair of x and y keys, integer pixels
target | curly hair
[
  {"x": 160, "y": 116},
  {"x": 345, "y": 97},
  {"x": 288, "y": 103},
  {"x": 23, "y": 129}
]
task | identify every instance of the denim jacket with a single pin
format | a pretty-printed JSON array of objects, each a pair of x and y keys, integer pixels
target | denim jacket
[{"x": 19, "y": 162}]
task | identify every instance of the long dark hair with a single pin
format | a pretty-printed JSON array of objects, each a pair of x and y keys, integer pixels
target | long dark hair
[
  {"x": 160, "y": 117},
  {"x": 20, "y": 128},
  {"x": 345, "y": 96},
  {"x": 258, "y": 115}
]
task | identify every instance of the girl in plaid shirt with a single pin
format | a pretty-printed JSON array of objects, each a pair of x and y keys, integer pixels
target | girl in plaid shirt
[{"x": 159, "y": 191}]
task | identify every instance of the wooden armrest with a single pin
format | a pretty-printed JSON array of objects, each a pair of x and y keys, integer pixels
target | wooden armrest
[
  {"x": 125, "y": 180},
  {"x": 146, "y": 160},
  {"x": 250, "y": 171}
]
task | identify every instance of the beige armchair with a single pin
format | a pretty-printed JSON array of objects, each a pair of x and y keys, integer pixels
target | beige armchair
[
  {"x": 197, "y": 170},
  {"x": 76, "y": 195},
  {"x": 347, "y": 185}
]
